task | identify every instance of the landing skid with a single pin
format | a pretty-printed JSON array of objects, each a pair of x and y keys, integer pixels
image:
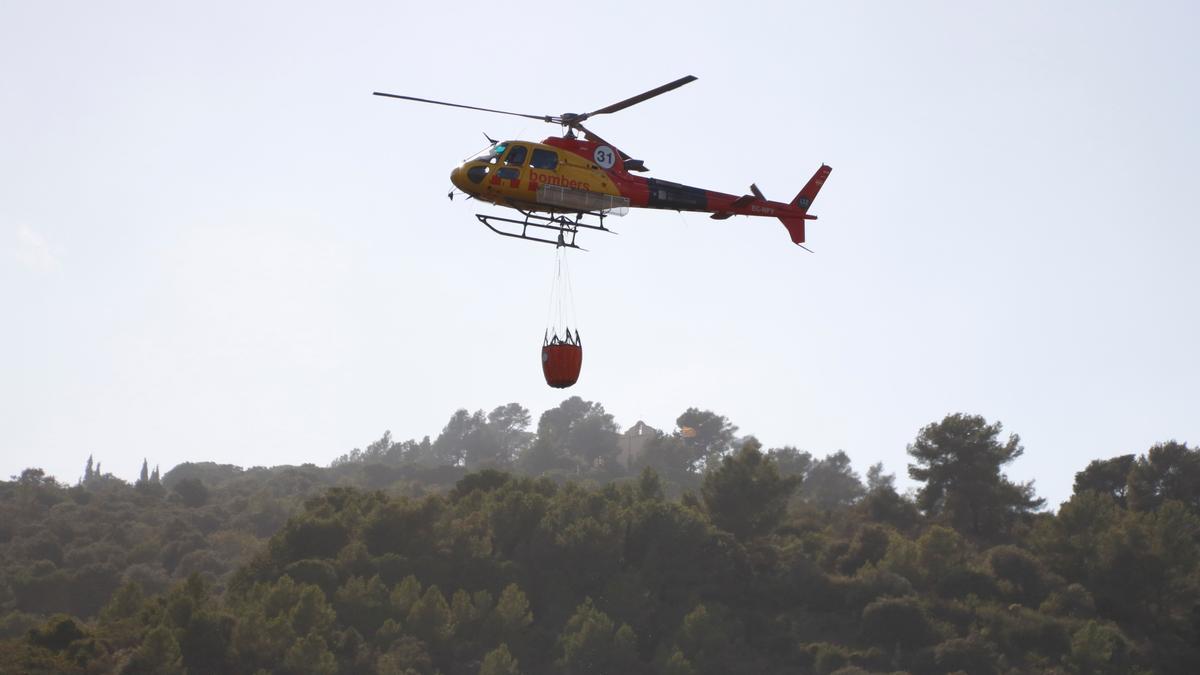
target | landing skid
[{"x": 565, "y": 227}]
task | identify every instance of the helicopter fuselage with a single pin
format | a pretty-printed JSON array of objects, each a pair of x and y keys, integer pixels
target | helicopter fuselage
[
  {"x": 589, "y": 177},
  {"x": 517, "y": 174}
]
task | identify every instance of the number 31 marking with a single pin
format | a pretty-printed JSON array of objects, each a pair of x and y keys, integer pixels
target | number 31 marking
[{"x": 605, "y": 157}]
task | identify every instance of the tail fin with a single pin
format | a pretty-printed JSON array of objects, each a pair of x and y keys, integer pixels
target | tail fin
[
  {"x": 809, "y": 193},
  {"x": 795, "y": 224}
]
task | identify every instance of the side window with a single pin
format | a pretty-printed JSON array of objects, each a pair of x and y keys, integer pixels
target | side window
[
  {"x": 544, "y": 159},
  {"x": 516, "y": 156},
  {"x": 508, "y": 173}
]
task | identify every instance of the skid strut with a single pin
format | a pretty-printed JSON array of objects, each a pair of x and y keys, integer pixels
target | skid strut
[{"x": 565, "y": 227}]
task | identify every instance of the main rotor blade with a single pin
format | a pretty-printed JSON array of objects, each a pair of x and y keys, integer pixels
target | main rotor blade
[
  {"x": 543, "y": 118},
  {"x": 641, "y": 97}
]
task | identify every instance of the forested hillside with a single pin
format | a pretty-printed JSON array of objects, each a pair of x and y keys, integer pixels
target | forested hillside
[{"x": 575, "y": 548}]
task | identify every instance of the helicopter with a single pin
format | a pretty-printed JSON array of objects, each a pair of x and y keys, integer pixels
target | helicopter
[{"x": 566, "y": 184}]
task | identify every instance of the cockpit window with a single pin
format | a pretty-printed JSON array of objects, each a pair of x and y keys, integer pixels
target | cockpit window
[
  {"x": 544, "y": 159},
  {"x": 516, "y": 155}
]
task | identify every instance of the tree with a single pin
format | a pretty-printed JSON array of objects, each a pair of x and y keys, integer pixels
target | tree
[
  {"x": 205, "y": 642},
  {"x": 792, "y": 461},
  {"x": 745, "y": 495},
  {"x": 1168, "y": 471},
  {"x": 708, "y": 435},
  {"x": 1106, "y": 476},
  {"x": 312, "y": 613},
  {"x": 144, "y": 476},
  {"x": 883, "y": 504},
  {"x": 430, "y": 618},
  {"x": 158, "y": 654},
  {"x": 831, "y": 483},
  {"x": 1023, "y": 572},
  {"x": 124, "y": 604},
  {"x": 310, "y": 655},
  {"x": 878, "y": 480},
  {"x": 56, "y": 634},
  {"x": 590, "y": 645},
  {"x": 499, "y": 661},
  {"x": 896, "y": 621},
  {"x": 1099, "y": 649},
  {"x": 959, "y": 460},
  {"x": 463, "y": 437},
  {"x": 707, "y": 642},
  {"x": 509, "y": 428},
  {"x": 578, "y": 435},
  {"x": 192, "y": 492},
  {"x": 35, "y": 478},
  {"x": 669, "y": 456}
]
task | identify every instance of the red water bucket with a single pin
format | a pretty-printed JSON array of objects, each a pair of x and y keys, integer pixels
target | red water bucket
[{"x": 560, "y": 364}]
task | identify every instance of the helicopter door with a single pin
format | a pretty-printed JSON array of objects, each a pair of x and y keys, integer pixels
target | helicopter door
[{"x": 510, "y": 174}]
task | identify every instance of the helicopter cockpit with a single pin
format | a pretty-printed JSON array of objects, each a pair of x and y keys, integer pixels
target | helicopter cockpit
[{"x": 493, "y": 154}]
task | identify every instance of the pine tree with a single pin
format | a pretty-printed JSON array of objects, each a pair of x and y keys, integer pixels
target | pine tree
[
  {"x": 499, "y": 661},
  {"x": 959, "y": 461}
]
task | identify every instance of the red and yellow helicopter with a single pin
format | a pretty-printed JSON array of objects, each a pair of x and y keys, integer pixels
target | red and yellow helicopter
[{"x": 560, "y": 183}]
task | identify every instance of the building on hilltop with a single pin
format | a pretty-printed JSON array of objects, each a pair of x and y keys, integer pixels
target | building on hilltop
[{"x": 634, "y": 441}]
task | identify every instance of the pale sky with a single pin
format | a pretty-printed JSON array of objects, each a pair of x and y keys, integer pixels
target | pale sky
[{"x": 215, "y": 244}]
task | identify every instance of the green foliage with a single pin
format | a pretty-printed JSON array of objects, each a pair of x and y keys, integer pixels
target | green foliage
[
  {"x": 829, "y": 658},
  {"x": 577, "y": 436},
  {"x": 1023, "y": 573},
  {"x": 499, "y": 661},
  {"x": 589, "y": 643},
  {"x": 972, "y": 654},
  {"x": 792, "y": 461},
  {"x": 708, "y": 637},
  {"x": 1106, "y": 476},
  {"x": 510, "y": 617},
  {"x": 959, "y": 461},
  {"x": 746, "y": 496},
  {"x": 57, "y": 633},
  {"x": 124, "y": 604},
  {"x": 432, "y": 569},
  {"x": 1169, "y": 471},
  {"x": 870, "y": 545},
  {"x": 159, "y": 654},
  {"x": 1099, "y": 649},
  {"x": 831, "y": 484},
  {"x": 430, "y": 619},
  {"x": 312, "y": 614},
  {"x": 406, "y": 656},
  {"x": 706, "y": 436},
  {"x": 310, "y": 656},
  {"x": 192, "y": 492},
  {"x": 896, "y": 621}
]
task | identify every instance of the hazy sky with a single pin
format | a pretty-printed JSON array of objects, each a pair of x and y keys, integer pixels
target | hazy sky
[{"x": 215, "y": 244}]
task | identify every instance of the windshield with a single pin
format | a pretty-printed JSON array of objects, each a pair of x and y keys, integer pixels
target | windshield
[{"x": 492, "y": 154}]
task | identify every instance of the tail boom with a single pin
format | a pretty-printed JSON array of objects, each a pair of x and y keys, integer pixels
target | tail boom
[{"x": 659, "y": 194}]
